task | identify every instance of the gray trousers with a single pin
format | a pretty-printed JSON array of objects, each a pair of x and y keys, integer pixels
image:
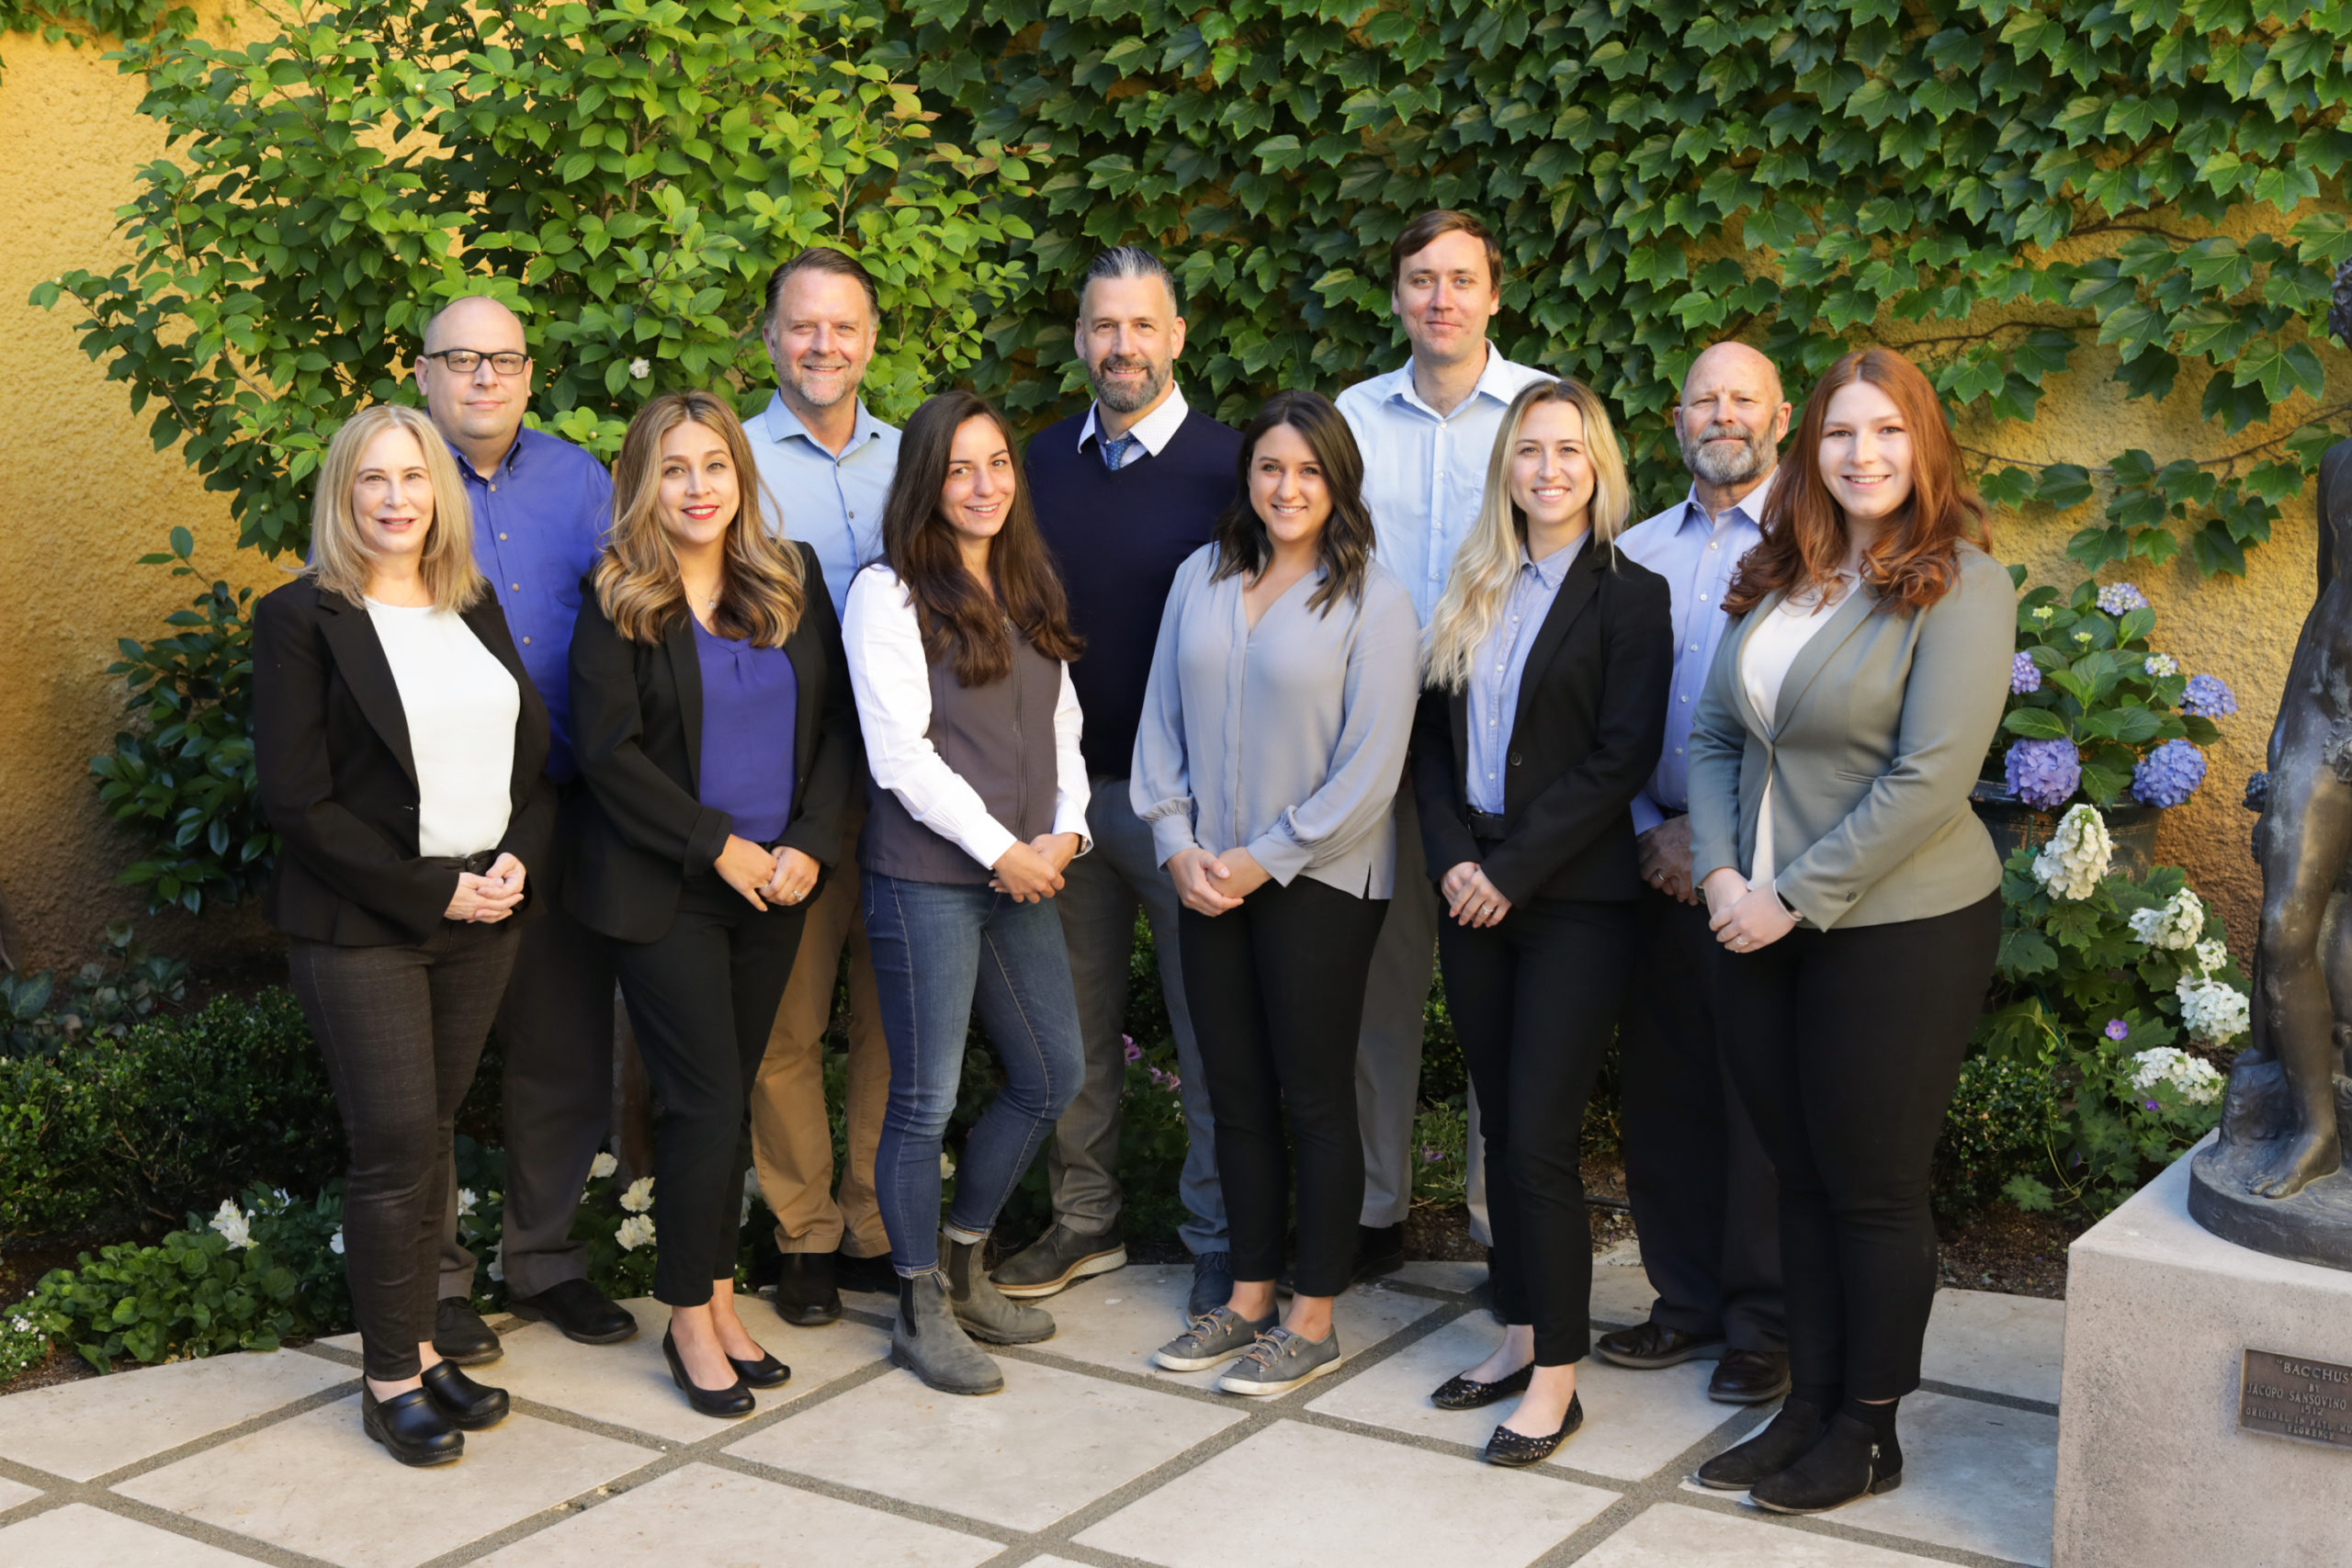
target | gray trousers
[
  {"x": 1388, "y": 1052},
  {"x": 1101, "y": 892}
]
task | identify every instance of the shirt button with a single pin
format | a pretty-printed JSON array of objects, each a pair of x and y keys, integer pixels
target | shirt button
[
  {"x": 516, "y": 586},
  {"x": 502, "y": 536},
  {"x": 1678, "y": 751},
  {"x": 526, "y": 642},
  {"x": 1715, "y": 547},
  {"x": 1682, "y": 699},
  {"x": 1694, "y": 647}
]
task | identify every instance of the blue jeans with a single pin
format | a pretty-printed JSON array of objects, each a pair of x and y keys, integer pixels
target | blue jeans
[{"x": 940, "y": 948}]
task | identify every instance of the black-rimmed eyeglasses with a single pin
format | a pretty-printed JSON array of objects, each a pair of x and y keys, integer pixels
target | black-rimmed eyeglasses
[{"x": 465, "y": 361}]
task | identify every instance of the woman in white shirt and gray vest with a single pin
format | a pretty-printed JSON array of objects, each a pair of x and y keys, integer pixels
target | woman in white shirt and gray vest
[
  {"x": 958, "y": 644},
  {"x": 1853, "y": 892},
  {"x": 400, "y": 749},
  {"x": 1275, "y": 726}
]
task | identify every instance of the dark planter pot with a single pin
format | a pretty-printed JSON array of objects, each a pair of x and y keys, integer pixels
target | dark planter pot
[{"x": 2012, "y": 823}]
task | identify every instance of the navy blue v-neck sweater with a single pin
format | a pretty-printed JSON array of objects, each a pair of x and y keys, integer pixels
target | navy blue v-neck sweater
[{"x": 1118, "y": 539}]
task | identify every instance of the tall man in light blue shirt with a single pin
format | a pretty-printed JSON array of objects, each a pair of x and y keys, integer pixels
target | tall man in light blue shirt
[
  {"x": 1426, "y": 431},
  {"x": 826, "y": 464},
  {"x": 1703, "y": 1193}
]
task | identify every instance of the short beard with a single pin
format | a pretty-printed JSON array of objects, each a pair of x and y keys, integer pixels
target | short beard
[
  {"x": 798, "y": 381},
  {"x": 1754, "y": 454},
  {"x": 1154, "y": 383}
]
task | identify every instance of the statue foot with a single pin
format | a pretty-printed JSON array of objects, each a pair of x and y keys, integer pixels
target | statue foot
[{"x": 2303, "y": 1160}]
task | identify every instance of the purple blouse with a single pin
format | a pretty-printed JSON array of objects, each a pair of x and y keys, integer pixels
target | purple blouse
[{"x": 750, "y": 698}]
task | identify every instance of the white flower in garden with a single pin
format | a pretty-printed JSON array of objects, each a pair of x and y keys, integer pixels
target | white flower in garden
[
  {"x": 2173, "y": 925},
  {"x": 635, "y": 1232},
  {"x": 465, "y": 1200},
  {"x": 639, "y": 1196},
  {"x": 751, "y": 1192},
  {"x": 498, "y": 1262},
  {"x": 2075, "y": 860},
  {"x": 638, "y": 370},
  {"x": 334, "y": 1242},
  {"x": 2211, "y": 956},
  {"x": 233, "y": 1224},
  {"x": 2193, "y": 1077},
  {"x": 2160, "y": 665},
  {"x": 946, "y": 1166},
  {"x": 602, "y": 1165},
  {"x": 2212, "y": 1012}
]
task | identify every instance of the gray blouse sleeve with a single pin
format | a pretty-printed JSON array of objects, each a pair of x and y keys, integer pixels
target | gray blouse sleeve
[{"x": 1160, "y": 782}]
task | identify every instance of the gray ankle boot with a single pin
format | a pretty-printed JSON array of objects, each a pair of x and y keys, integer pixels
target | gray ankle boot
[
  {"x": 927, "y": 1342},
  {"x": 981, "y": 1307}
]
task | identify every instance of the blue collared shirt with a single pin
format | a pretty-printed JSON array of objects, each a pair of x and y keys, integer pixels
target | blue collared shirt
[
  {"x": 1495, "y": 672},
  {"x": 1424, "y": 473},
  {"x": 832, "y": 504},
  {"x": 1698, "y": 555},
  {"x": 539, "y": 523}
]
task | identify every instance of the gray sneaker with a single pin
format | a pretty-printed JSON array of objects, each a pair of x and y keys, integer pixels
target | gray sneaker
[
  {"x": 1280, "y": 1361},
  {"x": 1217, "y": 1335}
]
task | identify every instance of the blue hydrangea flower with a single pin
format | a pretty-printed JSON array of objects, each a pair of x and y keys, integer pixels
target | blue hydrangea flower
[
  {"x": 2025, "y": 675},
  {"x": 2117, "y": 1029},
  {"x": 2207, "y": 697},
  {"x": 2044, "y": 773},
  {"x": 2169, "y": 774},
  {"x": 2117, "y": 597}
]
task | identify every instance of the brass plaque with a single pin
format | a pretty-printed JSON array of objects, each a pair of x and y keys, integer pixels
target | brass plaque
[{"x": 2294, "y": 1396}]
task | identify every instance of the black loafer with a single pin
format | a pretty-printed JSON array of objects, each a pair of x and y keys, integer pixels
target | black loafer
[
  {"x": 806, "y": 1297},
  {"x": 765, "y": 1372},
  {"x": 1517, "y": 1451},
  {"x": 1380, "y": 1250},
  {"x": 1467, "y": 1393},
  {"x": 1749, "y": 1377},
  {"x": 411, "y": 1426},
  {"x": 460, "y": 1335},
  {"x": 1794, "y": 1429},
  {"x": 872, "y": 1274},
  {"x": 727, "y": 1403},
  {"x": 468, "y": 1404},
  {"x": 1650, "y": 1346},
  {"x": 580, "y": 1310}
]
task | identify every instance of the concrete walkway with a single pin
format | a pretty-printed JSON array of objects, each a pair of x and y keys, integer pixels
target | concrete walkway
[{"x": 1088, "y": 1456}]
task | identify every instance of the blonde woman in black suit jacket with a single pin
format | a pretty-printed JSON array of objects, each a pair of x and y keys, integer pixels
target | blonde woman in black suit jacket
[{"x": 400, "y": 748}]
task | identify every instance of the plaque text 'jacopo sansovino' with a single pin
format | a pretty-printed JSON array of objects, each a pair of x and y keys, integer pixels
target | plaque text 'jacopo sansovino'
[{"x": 2294, "y": 1396}]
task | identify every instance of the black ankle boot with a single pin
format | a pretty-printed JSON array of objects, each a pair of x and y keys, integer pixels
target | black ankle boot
[
  {"x": 1856, "y": 1458},
  {"x": 1794, "y": 1431}
]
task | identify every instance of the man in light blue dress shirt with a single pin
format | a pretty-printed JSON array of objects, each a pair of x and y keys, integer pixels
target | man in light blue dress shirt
[
  {"x": 1703, "y": 1194},
  {"x": 1426, "y": 431},
  {"x": 826, "y": 464}
]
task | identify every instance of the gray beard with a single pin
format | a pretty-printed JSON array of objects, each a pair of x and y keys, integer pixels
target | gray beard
[
  {"x": 1155, "y": 383},
  {"x": 799, "y": 384},
  {"x": 1754, "y": 454}
]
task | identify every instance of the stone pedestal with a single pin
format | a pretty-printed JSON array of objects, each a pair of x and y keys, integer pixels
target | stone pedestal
[{"x": 2153, "y": 1470}]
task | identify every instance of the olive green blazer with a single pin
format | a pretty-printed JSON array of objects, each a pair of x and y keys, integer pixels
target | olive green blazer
[{"x": 1882, "y": 726}]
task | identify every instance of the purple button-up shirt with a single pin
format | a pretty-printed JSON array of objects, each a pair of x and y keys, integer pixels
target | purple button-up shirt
[
  {"x": 1698, "y": 555},
  {"x": 540, "y": 521}
]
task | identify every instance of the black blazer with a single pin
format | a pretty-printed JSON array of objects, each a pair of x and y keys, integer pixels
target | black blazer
[
  {"x": 1590, "y": 724},
  {"x": 338, "y": 778},
  {"x": 637, "y": 731}
]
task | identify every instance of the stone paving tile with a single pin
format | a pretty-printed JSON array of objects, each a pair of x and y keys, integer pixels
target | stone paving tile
[
  {"x": 628, "y": 1384},
  {"x": 1117, "y": 1320},
  {"x": 1666, "y": 1535},
  {"x": 79, "y": 1533},
  {"x": 1634, "y": 1422},
  {"x": 293, "y": 1484},
  {"x": 2010, "y": 1345},
  {"x": 1462, "y": 1278},
  {"x": 1050, "y": 1443},
  {"x": 84, "y": 1429},
  {"x": 12, "y": 1494},
  {"x": 1345, "y": 1498},
  {"x": 716, "y": 1516}
]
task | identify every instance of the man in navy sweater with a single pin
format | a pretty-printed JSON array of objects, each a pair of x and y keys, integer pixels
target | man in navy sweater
[{"x": 1124, "y": 494}]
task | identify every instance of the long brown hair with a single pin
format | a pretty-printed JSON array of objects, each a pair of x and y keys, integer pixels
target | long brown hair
[
  {"x": 1345, "y": 547},
  {"x": 962, "y": 624},
  {"x": 760, "y": 588},
  {"x": 1915, "y": 561}
]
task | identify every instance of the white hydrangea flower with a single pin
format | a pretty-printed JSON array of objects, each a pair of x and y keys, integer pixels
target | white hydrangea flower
[
  {"x": 638, "y": 370},
  {"x": 751, "y": 1192},
  {"x": 498, "y": 1262},
  {"x": 2159, "y": 665},
  {"x": 2173, "y": 925},
  {"x": 635, "y": 1232},
  {"x": 639, "y": 1196},
  {"x": 2212, "y": 1012},
  {"x": 946, "y": 1166},
  {"x": 233, "y": 1224},
  {"x": 2211, "y": 956},
  {"x": 2075, "y": 860},
  {"x": 2195, "y": 1078},
  {"x": 465, "y": 1200},
  {"x": 602, "y": 1165},
  {"x": 334, "y": 1242}
]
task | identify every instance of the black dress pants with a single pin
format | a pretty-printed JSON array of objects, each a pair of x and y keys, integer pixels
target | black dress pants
[
  {"x": 1534, "y": 1001},
  {"x": 703, "y": 998},
  {"x": 1701, "y": 1186},
  {"x": 1277, "y": 989},
  {"x": 1846, "y": 1045},
  {"x": 402, "y": 1028}
]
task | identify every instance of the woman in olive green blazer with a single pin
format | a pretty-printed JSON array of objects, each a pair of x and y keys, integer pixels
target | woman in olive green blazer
[{"x": 1853, "y": 892}]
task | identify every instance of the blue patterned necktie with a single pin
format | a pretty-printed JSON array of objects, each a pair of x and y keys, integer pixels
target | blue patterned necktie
[{"x": 1114, "y": 452}]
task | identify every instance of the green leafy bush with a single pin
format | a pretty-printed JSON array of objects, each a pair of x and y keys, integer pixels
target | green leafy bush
[
  {"x": 2004, "y": 1121},
  {"x": 124, "y": 984}
]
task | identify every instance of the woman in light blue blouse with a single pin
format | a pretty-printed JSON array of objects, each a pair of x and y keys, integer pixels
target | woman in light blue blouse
[{"x": 1274, "y": 730}]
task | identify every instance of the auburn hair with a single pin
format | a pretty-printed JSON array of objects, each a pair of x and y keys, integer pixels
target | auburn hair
[
  {"x": 963, "y": 623},
  {"x": 1344, "y": 547},
  {"x": 761, "y": 587},
  {"x": 1916, "y": 560}
]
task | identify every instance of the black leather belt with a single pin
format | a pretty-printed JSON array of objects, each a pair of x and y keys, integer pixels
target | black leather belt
[
  {"x": 478, "y": 863},
  {"x": 1486, "y": 825}
]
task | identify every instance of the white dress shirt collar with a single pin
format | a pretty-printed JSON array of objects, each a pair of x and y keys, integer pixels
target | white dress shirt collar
[{"x": 1155, "y": 430}]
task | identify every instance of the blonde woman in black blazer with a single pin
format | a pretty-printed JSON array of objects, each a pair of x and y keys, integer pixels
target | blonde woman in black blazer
[
  {"x": 400, "y": 748},
  {"x": 1548, "y": 664}
]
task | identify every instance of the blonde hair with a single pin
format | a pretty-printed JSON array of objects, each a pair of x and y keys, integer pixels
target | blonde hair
[
  {"x": 340, "y": 558},
  {"x": 1488, "y": 563},
  {"x": 761, "y": 590}
]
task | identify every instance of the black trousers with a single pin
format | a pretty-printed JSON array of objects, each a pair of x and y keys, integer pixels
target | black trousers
[
  {"x": 1703, "y": 1196},
  {"x": 1276, "y": 990},
  {"x": 1846, "y": 1045},
  {"x": 402, "y": 1028},
  {"x": 1535, "y": 1002},
  {"x": 703, "y": 998}
]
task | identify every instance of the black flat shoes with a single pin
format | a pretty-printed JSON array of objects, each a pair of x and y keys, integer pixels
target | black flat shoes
[
  {"x": 1518, "y": 1451},
  {"x": 728, "y": 1401},
  {"x": 765, "y": 1372},
  {"x": 1467, "y": 1393},
  {"x": 411, "y": 1426},
  {"x": 466, "y": 1403}
]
